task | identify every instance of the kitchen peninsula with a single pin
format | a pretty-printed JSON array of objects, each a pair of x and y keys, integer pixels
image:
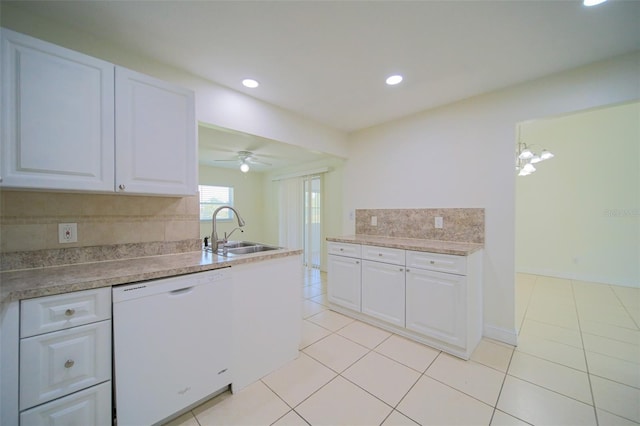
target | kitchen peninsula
[{"x": 76, "y": 298}]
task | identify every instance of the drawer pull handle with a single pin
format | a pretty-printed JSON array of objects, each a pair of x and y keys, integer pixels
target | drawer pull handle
[
  {"x": 69, "y": 363},
  {"x": 70, "y": 312}
]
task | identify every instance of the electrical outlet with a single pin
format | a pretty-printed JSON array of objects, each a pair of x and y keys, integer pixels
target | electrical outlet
[
  {"x": 374, "y": 220},
  {"x": 67, "y": 233},
  {"x": 438, "y": 222}
]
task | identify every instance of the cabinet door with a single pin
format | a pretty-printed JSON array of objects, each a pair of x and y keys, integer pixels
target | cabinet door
[
  {"x": 88, "y": 407},
  {"x": 343, "y": 287},
  {"x": 155, "y": 136},
  {"x": 383, "y": 291},
  {"x": 436, "y": 305},
  {"x": 57, "y": 117}
]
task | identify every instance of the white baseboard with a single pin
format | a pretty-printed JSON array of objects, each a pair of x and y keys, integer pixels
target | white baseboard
[
  {"x": 578, "y": 277},
  {"x": 508, "y": 336}
]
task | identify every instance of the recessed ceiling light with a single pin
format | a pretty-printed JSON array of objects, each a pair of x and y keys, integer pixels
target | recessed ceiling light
[
  {"x": 394, "y": 79},
  {"x": 592, "y": 2},
  {"x": 250, "y": 83}
]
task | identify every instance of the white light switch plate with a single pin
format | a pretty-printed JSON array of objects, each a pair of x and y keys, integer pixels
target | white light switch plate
[{"x": 374, "y": 220}]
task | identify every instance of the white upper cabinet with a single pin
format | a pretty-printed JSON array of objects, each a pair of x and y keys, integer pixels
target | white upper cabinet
[
  {"x": 57, "y": 117},
  {"x": 73, "y": 122},
  {"x": 155, "y": 136}
]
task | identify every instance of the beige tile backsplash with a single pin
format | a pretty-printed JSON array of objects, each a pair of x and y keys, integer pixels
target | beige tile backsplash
[
  {"x": 29, "y": 220},
  {"x": 459, "y": 224}
]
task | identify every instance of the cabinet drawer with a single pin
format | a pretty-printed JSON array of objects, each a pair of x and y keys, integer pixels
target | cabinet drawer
[
  {"x": 52, "y": 313},
  {"x": 56, "y": 364},
  {"x": 383, "y": 254},
  {"x": 88, "y": 407},
  {"x": 344, "y": 249},
  {"x": 437, "y": 262}
]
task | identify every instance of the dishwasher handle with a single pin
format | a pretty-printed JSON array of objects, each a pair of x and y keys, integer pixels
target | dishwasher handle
[{"x": 180, "y": 291}]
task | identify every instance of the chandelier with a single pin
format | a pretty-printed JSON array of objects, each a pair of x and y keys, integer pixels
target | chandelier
[{"x": 526, "y": 158}]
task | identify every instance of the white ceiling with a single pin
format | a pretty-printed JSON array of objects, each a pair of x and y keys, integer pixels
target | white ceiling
[{"x": 327, "y": 60}]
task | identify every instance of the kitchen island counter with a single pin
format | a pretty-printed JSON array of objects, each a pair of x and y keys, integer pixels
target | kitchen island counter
[
  {"x": 46, "y": 281},
  {"x": 415, "y": 244}
]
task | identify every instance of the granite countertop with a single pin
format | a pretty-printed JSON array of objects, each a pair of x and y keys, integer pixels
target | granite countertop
[
  {"x": 431, "y": 246},
  {"x": 37, "y": 282}
]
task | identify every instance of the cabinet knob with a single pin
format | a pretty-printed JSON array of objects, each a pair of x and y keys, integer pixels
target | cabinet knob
[
  {"x": 380, "y": 254},
  {"x": 121, "y": 187},
  {"x": 401, "y": 269},
  {"x": 357, "y": 262},
  {"x": 341, "y": 249},
  {"x": 408, "y": 270},
  {"x": 69, "y": 363},
  {"x": 432, "y": 262},
  {"x": 70, "y": 312}
]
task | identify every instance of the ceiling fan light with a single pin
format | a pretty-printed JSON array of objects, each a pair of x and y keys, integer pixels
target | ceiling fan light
[
  {"x": 244, "y": 167},
  {"x": 525, "y": 154},
  {"x": 529, "y": 168},
  {"x": 535, "y": 159},
  {"x": 545, "y": 155}
]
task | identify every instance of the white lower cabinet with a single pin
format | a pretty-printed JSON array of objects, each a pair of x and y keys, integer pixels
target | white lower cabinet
[
  {"x": 432, "y": 298},
  {"x": 344, "y": 276},
  {"x": 383, "y": 291},
  {"x": 87, "y": 407},
  {"x": 436, "y": 305}
]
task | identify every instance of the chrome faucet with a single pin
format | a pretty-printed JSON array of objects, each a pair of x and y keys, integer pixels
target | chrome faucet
[{"x": 214, "y": 234}]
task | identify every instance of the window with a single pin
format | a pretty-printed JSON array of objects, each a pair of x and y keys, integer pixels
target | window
[{"x": 212, "y": 197}]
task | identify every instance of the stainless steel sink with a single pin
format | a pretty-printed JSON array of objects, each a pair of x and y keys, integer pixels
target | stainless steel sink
[
  {"x": 247, "y": 250},
  {"x": 236, "y": 244},
  {"x": 238, "y": 248}
]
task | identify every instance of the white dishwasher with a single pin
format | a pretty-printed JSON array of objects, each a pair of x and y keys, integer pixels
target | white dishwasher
[{"x": 172, "y": 344}]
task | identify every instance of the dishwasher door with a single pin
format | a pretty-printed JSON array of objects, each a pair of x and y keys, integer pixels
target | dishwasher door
[{"x": 172, "y": 344}]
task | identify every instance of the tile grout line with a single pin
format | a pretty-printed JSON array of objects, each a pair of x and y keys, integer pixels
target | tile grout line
[
  {"x": 584, "y": 353},
  {"x": 626, "y": 309},
  {"x": 504, "y": 379}
]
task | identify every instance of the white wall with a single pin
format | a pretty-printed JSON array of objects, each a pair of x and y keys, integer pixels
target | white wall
[
  {"x": 462, "y": 155},
  {"x": 248, "y": 200},
  {"x": 578, "y": 215}
]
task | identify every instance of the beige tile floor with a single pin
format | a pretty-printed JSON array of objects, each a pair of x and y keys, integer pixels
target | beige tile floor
[{"x": 577, "y": 363}]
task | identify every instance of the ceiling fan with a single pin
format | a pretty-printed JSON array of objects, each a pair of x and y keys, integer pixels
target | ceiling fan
[{"x": 245, "y": 159}]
